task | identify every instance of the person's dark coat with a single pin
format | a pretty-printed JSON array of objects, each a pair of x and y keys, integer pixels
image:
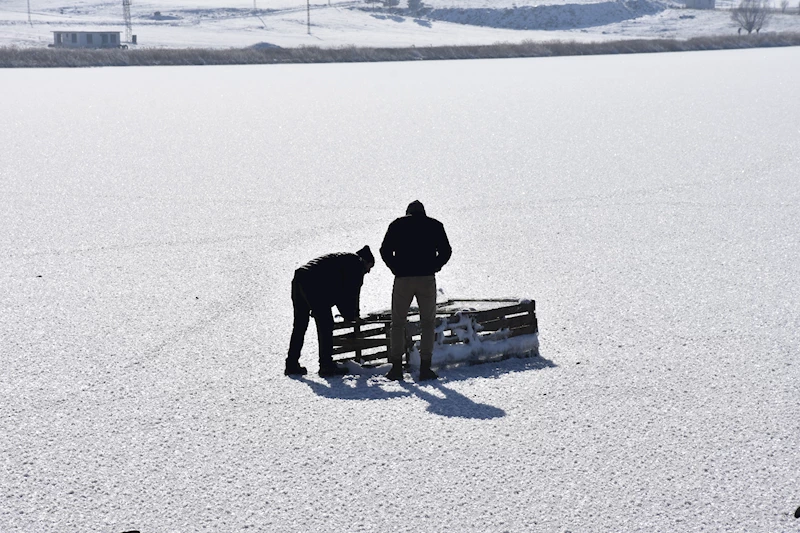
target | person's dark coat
[
  {"x": 415, "y": 245},
  {"x": 333, "y": 279}
]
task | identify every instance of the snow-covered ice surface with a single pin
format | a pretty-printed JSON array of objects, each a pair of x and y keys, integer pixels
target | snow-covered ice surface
[
  {"x": 152, "y": 217},
  {"x": 215, "y": 24}
]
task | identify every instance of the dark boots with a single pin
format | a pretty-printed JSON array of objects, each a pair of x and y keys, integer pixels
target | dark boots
[
  {"x": 327, "y": 370},
  {"x": 396, "y": 373},
  {"x": 293, "y": 368},
  {"x": 425, "y": 372}
]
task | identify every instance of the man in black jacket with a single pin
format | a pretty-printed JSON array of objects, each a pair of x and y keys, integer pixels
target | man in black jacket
[
  {"x": 415, "y": 248},
  {"x": 333, "y": 279}
]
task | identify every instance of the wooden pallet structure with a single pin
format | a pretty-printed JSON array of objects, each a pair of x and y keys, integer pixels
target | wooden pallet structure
[{"x": 465, "y": 328}]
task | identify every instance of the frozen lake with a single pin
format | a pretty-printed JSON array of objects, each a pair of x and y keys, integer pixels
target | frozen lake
[{"x": 152, "y": 219}]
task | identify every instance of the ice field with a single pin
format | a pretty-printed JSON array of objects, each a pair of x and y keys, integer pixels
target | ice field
[{"x": 152, "y": 219}]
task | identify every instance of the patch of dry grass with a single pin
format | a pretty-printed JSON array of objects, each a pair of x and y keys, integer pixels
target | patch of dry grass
[{"x": 12, "y": 57}]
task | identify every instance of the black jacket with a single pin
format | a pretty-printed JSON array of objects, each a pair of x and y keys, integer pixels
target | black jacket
[
  {"x": 415, "y": 245},
  {"x": 333, "y": 279}
]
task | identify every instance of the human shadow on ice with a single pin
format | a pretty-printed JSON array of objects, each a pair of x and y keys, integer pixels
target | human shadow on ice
[
  {"x": 364, "y": 383},
  {"x": 453, "y": 404}
]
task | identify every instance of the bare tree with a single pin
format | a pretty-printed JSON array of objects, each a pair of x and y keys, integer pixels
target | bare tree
[
  {"x": 784, "y": 5},
  {"x": 751, "y": 15}
]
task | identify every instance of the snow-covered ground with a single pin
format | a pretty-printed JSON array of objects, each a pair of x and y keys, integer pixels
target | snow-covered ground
[
  {"x": 211, "y": 23},
  {"x": 152, "y": 218}
]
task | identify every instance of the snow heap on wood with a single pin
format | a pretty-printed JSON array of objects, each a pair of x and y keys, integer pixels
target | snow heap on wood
[{"x": 475, "y": 344}]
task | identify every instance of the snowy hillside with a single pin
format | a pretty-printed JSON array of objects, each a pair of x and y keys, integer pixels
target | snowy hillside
[{"x": 211, "y": 23}]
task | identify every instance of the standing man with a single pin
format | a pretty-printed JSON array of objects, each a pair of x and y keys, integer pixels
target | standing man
[
  {"x": 333, "y": 279},
  {"x": 415, "y": 248}
]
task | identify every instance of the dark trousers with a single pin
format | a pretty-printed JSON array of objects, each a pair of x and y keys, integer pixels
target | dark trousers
[
  {"x": 323, "y": 318},
  {"x": 423, "y": 288}
]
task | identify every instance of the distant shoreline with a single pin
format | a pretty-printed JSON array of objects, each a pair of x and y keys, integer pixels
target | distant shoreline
[{"x": 12, "y": 57}]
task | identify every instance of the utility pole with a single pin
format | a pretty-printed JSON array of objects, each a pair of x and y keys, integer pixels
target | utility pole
[
  {"x": 308, "y": 15},
  {"x": 29, "y": 14},
  {"x": 126, "y": 15}
]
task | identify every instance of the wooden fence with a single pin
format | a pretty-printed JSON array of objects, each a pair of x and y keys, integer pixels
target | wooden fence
[{"x": 369, "y": 341}]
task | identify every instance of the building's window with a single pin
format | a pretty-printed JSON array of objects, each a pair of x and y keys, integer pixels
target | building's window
[
  {"x": 105, "y": 38},
  {"x": 113, "y": 38},
  {"x": 89, "y": 38},
  {"x": 58, "y": 38},
  {"x": 74, "y": 37}
]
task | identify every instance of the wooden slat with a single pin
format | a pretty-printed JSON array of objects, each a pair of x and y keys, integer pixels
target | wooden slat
[
  {"x": 368, "y": 356},
  {"x": 360, "y": 344},
  {"x": 513, "y": 322},
  {"x": 355, "y": 344},
  {"x": 362, "y": 322},
  {"x": 523, "y": 330},
  {"x": 360, "y": 348},
  {"x": 480, "y": 300},
  {"x": 361, "y": 334},
  {"x": 482, "y": 316}
]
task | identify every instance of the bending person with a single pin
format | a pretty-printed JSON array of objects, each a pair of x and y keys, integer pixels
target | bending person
[{"x": 333, "y": 279}]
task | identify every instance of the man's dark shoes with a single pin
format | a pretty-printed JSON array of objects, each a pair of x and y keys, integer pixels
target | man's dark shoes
[
  {"x": 326, "y": 371},
  {"x": 295, "y": 370},
  {"x": 396, "y": 373},
  {"x": 426, "y": 374}
]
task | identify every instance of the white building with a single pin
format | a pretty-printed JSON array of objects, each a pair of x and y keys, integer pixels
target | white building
[
  {"x": 86, "y": 39},
  {"x": 700, "y": 4}
]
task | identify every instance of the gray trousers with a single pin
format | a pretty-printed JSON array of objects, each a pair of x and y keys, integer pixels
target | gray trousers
[{"x": 403, "y": 292}]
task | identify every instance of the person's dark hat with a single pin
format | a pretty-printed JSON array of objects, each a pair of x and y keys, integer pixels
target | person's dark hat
[
  {"x": 415, "y": 208},
  {"x": 366, "y": 254}
]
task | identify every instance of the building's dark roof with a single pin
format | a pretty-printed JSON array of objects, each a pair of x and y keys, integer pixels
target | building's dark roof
[{"x": 85, "y": 31}]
